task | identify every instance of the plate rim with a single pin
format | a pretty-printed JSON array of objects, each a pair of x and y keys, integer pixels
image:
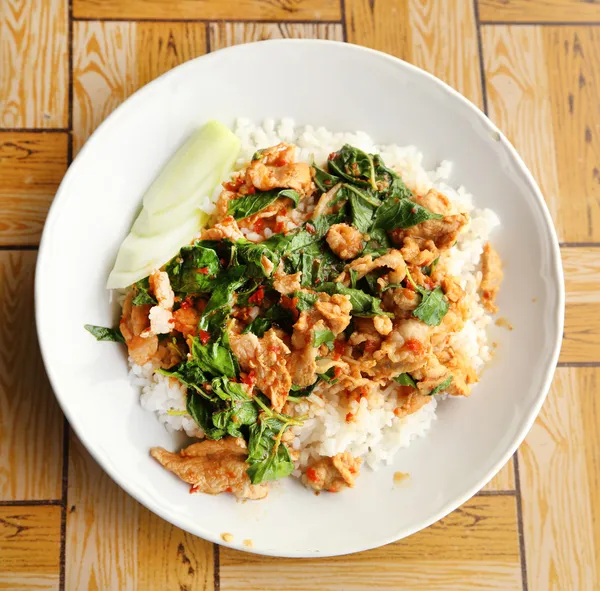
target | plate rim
[{"x": 556, "y": 266}]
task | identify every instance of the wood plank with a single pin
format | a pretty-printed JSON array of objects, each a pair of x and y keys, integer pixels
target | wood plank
[
  {"x": 504, "y": 480},
  {"x": 526, "y": 11},
  {"x": 560, "y": 535},
  {"x": 381, "y": 25},
  {"x": 31, "y": 168},
  {"x": 435, "y": 28},
  {"x": 275, "y": 10},
  {"x": 162, "y": 46},
  {"x": 113, "y": 60},
  {"x": 476, "y": 547},
  {"x": 30, "y": 547},
  {"x": 113, "y": 542},
  {"x": 519, "y": 100},
  {"x": 582, "y": 328},
  {"x": 581, "y": 266},
  {"x": 227, "y": 34},
  {"x": 582, "y": 281},
  {"x": 31, "y": 424},
  {"x": 573, "y": 64},
  {"x": 33, "y": 64},
  {"x": 420, "y": 32}
]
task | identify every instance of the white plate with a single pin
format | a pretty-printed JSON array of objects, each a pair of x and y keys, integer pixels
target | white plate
[{"x": 342, "y": 87}]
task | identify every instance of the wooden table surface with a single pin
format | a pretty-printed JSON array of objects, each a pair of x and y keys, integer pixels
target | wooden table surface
[{"x": 533, "y": 66}]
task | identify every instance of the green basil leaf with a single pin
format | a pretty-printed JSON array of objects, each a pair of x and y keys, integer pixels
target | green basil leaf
[
  {"x": 251, "y": 254},
  {"x": 433, "y": 306},
  {"x": 441, "y": 387},
  {"x": 195, "y": 270},
  {"x": 323, "y": 179},
  {"x": 213, "y": 358},
  {"x": 323, "y": 337},
  {"x": 402, "y": 213},
  {"x": 354, "y": 165},
  {"x": 244, "y": 207},
  {"x": 143, "y": 295},
  {"x": 363, "y": 304},
  {"x": 105, "y": 334},
  {"x": 405, "y": 379},
  {"x": 305, "y": 300},
  {"x": 259, "y": 326}
]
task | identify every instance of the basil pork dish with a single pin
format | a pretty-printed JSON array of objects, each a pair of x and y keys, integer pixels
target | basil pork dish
[{"x": 299, "y": 302}]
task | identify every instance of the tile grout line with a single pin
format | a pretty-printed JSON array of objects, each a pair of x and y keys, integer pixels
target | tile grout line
[
  {"x": 4, "y": 247},
  {"x": 260, "y": 21},
  {"x": 63, "y": 516},
  {"x": 34, "y": 130},
  {"x": 521, "y": 531},
  {"x": 496, "y": 493},
  {"x": 482, "y": 82},
  {"x": 32, "y": 503},
  {"x": 517, "y": 494},
  {"x": 578, "y": 244},
  {"x": 66, "y": 428},
  {"x": 216, "y": 567},
  {"x": 343, "y": 16},
  {"x": 542, "y": 23},
  {"x": 578, "y": 364}
]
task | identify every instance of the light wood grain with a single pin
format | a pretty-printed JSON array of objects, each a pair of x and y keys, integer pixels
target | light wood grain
[
  {"x": 519, "y": 100},
  {"x": 527, "y": 11},
  {"x": 504, "y": 480},
  {"x": 573, "y": 63},
  {"x": 30, "y": 421},
  {"x": 275, "y": 10},
  {"x": 31, "y": 168},
  {"x": 33, "y": 63},
  {"x": 115, "y": 543},
  {"x": 559, "y": 532},
  {"x": 29, "y": 547},
  {"x": 162, "y": 46},
  {"x": 474, "y": 548},
  {"x": 582, "y": 327},
  {"x": 227, "y": 34},
  {"x": 435, "y": 27},
  {"x": 581, "y": 267},
  {"x": 379, "y": 24},
  {"x": 113, "y": 60}
]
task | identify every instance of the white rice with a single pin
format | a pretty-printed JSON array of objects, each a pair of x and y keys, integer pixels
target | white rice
[{"x": 374, "y": 433}]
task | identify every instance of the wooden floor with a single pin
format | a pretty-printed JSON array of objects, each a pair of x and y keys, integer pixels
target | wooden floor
[{"x": 532, "y": 65}]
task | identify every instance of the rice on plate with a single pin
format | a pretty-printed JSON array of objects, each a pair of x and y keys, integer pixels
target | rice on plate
[{"x": 333, "y": 428}]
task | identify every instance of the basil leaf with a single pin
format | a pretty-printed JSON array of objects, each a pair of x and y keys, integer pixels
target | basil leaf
[
  {"x": 363, "y": 304},
  {"x": 354, "y": 165},
  {"x": 402, "y": 213},
  {"x": 259, "y": 326},
  {"x": 441, "y": 387},
  {"x": 189, "y": 373},
  {"x": 143, "y": 295},
  {"x": 324, "y": 222},
  {"x": 194, "y": 270},
  {"x": 363, "y": 210},
  {"x": 251, "y": 254},
  {"x": 405, "y": 379},
  {"x": 201, "y": 410},
  {"x": 431, "y": 268},
  {"x": 323, "y": 337},
  {"x": 228, "y": 283},
  {"x": 323, "y": 179},
  {"x": 244, "y": 207},
  {"x": 105, "y": 334},
  {"x": 213, "y": 358},
  {"x": 268, "y": 458},
  {"x": 433, "y": 306},
  {"x": 353, "y": 278},
  {"x": 305, "y": 300}
]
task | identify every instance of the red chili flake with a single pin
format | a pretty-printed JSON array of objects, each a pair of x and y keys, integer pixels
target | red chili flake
[
  {"x": 185, "y": 305},
  {"x": 363, "y": 391},
  {"x": 249, "y": 378},
  {"x": 274, "y": 349},
  {"x": 352, "y": 470},
  {"x": 234, "y": 184},
  {"x": 290, "y": 304},
  {"x": 397, "y": 411},
  {"x": 332, "y": 490},
  {"x": 337, "y": 372},
  {"x": 200, "y": 305},
  {"x": 331, "y": 156},
  {"x": 310, "y": 228},
  {"x": 204, "y": 337},
  {"x": 258, "y": 296},
  {"x": 279, "y": 227},
  {"x": 414, "y": 210},
  {"x": 312, "y": 475},
  {"x": 194, "y": 488},
  {"x": 349, "y": 417},
  {"x": 228, "y": 489},
  {"x": 259, "y": 225},
  {"x": 251, "y": 190},
  {"x": 429, "y": 282},
  {"x": 414, "y": 345},
  {"x": 203, "y": 270},
  {"x": 339, "y": 346}
]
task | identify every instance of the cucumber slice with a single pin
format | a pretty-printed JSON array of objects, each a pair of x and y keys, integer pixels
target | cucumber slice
[{"x": 212, "y": 149}]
